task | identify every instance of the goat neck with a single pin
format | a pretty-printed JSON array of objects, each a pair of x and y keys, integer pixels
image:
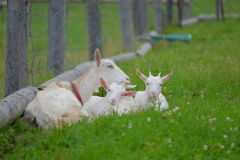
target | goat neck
[{"x": 87, "y": 84}]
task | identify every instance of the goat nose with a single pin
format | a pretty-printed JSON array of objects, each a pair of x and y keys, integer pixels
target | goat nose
[
  {"x": 113, "y": 100},
  {"x": 128, "y": 78},
  {"x": 154, "y": 92}
]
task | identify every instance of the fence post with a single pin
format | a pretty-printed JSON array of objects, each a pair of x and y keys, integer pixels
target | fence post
[
  {"x": 140, "y": 16},
  {"x": 180, "y": 12},
  {"x": 56, "y": 35},
  {"x": 158, "y": 17},
  {"x": 94, "y": 28},
  {"x": 1, "y": 8},
  {"x": 126, "y": 24},
  {"x": 188, "y": 9},
  {"x": 169, "y": 12},
  {"x": 17, "y": 45},
  {"x": 220, "y": 11}
]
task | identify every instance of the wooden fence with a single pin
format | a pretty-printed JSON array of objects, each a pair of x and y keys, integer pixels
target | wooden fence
[{"x": 18, "y": 22}]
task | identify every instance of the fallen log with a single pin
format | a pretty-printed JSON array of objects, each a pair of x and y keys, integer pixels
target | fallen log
[
  {"x": 126, "y": 56},
  {"x": 69, "y": 75},
  {"x": 13, "y": 106},
  {"x": 189, "y": 21}
]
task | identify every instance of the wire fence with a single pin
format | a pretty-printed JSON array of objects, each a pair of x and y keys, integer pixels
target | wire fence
[{"x": 41, "y": 39}]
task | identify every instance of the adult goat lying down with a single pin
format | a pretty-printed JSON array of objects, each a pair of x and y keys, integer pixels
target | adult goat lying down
[
  {"x": 58, "y": 103},
  {"x": 152, "y": 94}
]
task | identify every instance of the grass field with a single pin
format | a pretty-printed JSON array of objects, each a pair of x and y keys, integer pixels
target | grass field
[{"x": 203, "y": 121}]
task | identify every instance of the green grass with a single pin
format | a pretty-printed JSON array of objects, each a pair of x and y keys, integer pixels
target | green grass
[
  {"x": 77, "y": 39},
  {"x": 205, "y": 87}
]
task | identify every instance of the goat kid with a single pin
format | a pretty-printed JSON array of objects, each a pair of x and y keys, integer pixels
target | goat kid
[
  {"x": 98, "y": 106},
  {"x": 152, "y": 94}
]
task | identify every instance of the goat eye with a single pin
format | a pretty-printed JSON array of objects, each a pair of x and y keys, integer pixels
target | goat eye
[
  {"x": 109, "y": 90},
  {"x": 110, "y": 66},
  {"x": 160, "y": 84},
  {"x": 147, "y": 83}
]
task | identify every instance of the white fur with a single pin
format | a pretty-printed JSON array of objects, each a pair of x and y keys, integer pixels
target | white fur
[
  {"x": 57, "y": 104},
  {"x": 163, "y": 102},
  {"x": 125, "y": 105},
  {"x": 97, "y": 106},
  {"x": 152, "y": 94},
  {"x": 92, "y": 101}
]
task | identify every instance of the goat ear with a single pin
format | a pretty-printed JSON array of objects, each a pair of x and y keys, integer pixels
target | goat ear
[
  {"x": 142, "y": 76},
  {"x": 97, "y": 57},
  {"x": 126, "y": 86},
  {"x": 130, "y": 86},
  {"x": 165, "y": 78},
  {"x": 103, "y": 83},
  {"x": 129, "y": 93}
]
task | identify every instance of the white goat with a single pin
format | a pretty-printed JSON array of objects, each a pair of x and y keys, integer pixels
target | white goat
[
  {"x": 152, "y": 94},
  {"x": 97, "y": 106},
  {"x": 125, "y": 105},
  {"x": 57, "y": 104}
]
